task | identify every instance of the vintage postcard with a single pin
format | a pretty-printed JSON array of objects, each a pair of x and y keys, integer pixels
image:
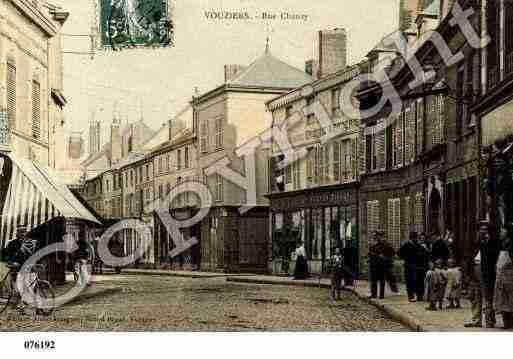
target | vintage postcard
[{"x": 255, "y": 166}]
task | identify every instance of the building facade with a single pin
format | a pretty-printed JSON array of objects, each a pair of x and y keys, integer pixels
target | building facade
[
  {"x": 226, "y": 119},
  {"x": 314, "y": 199},
  {"x": 31, "y": 84}
]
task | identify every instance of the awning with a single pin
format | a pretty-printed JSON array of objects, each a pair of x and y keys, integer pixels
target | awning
[{"x": 31, "y": 195}]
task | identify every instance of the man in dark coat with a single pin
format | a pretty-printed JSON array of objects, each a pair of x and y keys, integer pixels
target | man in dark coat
[
  {"x": 490, "y": 249},
  {"x": 439, "y": 250},
  {"x": 424, "y": 255},
  {"x": 381, "y": 256},
  {"x": 409, "y": 253}
]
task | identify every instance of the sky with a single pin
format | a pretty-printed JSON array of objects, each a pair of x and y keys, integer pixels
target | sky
[{"x": 162, "y": 81}]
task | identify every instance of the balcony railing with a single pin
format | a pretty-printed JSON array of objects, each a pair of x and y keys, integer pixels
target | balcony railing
[{"x": 4, "y": 128}]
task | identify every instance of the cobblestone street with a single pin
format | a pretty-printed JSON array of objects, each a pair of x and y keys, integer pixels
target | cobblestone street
[{"x": 186, "y": 304}]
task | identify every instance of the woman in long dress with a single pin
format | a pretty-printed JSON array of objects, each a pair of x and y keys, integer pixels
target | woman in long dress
[{"x": 301, "y": 271}]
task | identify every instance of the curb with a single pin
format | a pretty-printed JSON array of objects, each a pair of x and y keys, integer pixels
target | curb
[
  {"x": 180, "y": 275},
  {"x": 392, "y": 312},
  {"x": 277, "y": 282}
]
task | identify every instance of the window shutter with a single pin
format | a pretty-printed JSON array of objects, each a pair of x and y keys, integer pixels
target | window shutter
[
  {"x": 419, "y": 213},
  {"x": 420, "y": 126},
  {"x": 390, "y": 220},
  {"x": 407, "y": 216},
  {"x": 407, "y": 135},
  {"x": 399, "y": 139},
  {"x": 380, "y": 148},
  {"x": 336, "y": 161},
  {"x": 11, "y": 94},
  {"x": 36, "y": 109},
  {"x": 372, "y": 218},
  {"x": 397, "y": 223},
  {"x": 362, "y": 149},
  {"x": 354, "y": 162}
]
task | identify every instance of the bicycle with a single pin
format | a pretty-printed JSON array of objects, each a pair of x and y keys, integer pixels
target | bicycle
[{"x": 42, "y": 291}]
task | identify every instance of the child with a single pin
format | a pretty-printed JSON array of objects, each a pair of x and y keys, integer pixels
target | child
[
  {"x": 436, "y": 282},
  {"x": 454, "y": 281},
  {"x": 337, "y": 270}
]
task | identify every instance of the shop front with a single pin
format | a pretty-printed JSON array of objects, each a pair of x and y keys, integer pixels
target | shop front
[
  {"x": 322, "y": 219},
  {"x": 34, "y": 200}
]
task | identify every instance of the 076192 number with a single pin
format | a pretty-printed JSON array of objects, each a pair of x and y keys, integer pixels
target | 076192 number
[{"x": 39, "y": 344}]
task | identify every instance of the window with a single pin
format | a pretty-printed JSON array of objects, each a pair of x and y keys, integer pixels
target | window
[
  {"x": 219, "y": 188},
  {"x": 336, "y": 161},
  {"x": 131, "y": 177},
  {"x": 186, "y": 160},
  {"x": 179, "y": 160},
  {"x": 288, "y": 174},
  {"x": 420, "y": 126},
  {"x": 335, "y": 100},
  {"x": 310, "y": 119},
  {"x": 438, "y": 120},
  {"x": 219, "y": 133},
  {"x": 161, "y": 192},
  {"x": 419, "y": 212},
  {"x": 460, "y": 105},
  {"x": 310, "y": 165},
  {"x": 36, "y": 110},
  {"x": 204, "y": 136},
  {"x": 147, "y": 173},
  {"x": 492, "y": 49},
  {"x": 11, "y": 93},
  {"x": 296, "y": 174}
]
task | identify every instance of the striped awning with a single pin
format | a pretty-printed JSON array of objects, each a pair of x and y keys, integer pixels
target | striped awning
[{"x": 31, "y": 195}]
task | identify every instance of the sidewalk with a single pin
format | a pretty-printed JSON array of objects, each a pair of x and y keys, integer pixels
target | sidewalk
[{"x": 413, "y": 315}]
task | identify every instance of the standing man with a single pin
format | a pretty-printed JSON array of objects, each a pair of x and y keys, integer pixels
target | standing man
[
  {"x": 483, "y": 278},
  {"x": 409, "y": 253},
  {"x": 381, "y": 256}
]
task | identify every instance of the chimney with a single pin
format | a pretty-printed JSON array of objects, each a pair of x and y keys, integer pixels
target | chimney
[
  {"x": 232, "y": 71},
  {"x": 331, "y": 51},
  {"x": 115, "y": 141}
]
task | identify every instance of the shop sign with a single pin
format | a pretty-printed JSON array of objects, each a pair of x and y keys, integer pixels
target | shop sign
[{"x": 322, "y": 199}]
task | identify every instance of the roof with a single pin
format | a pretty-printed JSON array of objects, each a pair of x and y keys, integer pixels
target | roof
[
  {"x": 33, "y": 196},
  {"x": 268, "y": 71}
]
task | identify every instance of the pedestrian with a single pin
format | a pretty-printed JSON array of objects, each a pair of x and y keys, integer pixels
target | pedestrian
[
  {"x": 454, "y": 285},
  {"x": 439, "y": 250},
  {"x": 490, "y": 249},
  {"x": 424, "y": 255},
  {"x": 409, "y": 252},
  {"x": 476, "y": 293},
  {"x": 301, "y": 270},
  {"x": 436, "y": 282},
  {"x": 337, "y": 272},
  {"x": 504, "y": 284},
  {"x": 381, "y": 256}
]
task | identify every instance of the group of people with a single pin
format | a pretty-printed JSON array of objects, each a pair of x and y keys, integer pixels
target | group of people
[{"x": 433, "y": 275}]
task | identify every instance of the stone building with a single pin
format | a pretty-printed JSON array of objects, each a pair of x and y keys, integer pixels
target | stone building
[
  {"x": 492, "y": 112},
  {"x": 314, "y": 200},
  {"x": 31, "y": 84},
  {"x": 419, "y": 168},
  {"x": 226, "y": 118}
]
